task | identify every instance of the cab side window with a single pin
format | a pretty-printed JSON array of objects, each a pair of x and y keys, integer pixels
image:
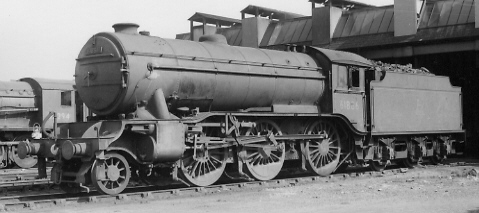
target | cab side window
[
  {"x": 66, "y": 98},
  {"x": 343, "y": 79},
  {"x": 354, "y": 80}
]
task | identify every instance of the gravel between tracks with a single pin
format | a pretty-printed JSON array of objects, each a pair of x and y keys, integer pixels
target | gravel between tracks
[{"x": 440, "y": 189}]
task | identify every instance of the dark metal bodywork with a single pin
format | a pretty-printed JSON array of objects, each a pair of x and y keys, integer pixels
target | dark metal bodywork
[
  {"x": 404, "y": 103},
  {"x": 115, "y": 71},
  {"x": 158, "y": 99},
  {"x": 27, "y": 102},
  {"x": 17, "y": 106},
  {"x": 24, "y": 104}
]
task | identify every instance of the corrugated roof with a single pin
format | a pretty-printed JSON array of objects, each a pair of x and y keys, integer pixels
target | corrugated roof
[
  {"x": 341, "y": 57},
  {"x": 440, "y": 19},
  {"x": 446, "y": 13},
  {"x": 233, "y": 35},
  {"x": 428, "y": 34},
  {"x": 361, "y": 22},
  {"x": 183, "y": 36},
  {"x": 344, "y": 3},
  {"x": 380, "y": 20},
  {"x": 289, "y": 31},
  {"x": 213, "y": 19},
  {"x": 365, "y": 22},
  {"x": 268, "y": 12}
]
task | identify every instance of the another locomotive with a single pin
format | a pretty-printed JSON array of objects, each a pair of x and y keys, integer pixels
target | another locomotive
[
  {"x": 23, "y": 106},
  {"x": 174, "y": 110}
]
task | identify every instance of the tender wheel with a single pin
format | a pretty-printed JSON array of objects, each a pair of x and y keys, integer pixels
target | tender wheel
[
  {"x": 437, "y": 157},
  {"x": 435, "y": 160},
  {"x": 111, "y": 176},
  {"x": 263, "y": 161},
  {"x": 411, "y": 159},
  {"x": 409, "y": 162},
  {"x": 322, "y": 155},
  {"x": 377, "y": 165},
  {"x": 27, "y": 162},
  {"x": 201, "y": 166}
]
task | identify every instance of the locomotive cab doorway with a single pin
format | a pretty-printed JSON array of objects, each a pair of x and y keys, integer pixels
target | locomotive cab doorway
[
  {"x": 349, "y": 98},
  {"x": 346, "y": 80}
]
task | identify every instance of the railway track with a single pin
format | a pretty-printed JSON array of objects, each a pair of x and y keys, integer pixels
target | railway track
[
  {"x": 19, "y": 174},
  {"x": 23, "y": 180},
  {"x": 147, "y": 193}
]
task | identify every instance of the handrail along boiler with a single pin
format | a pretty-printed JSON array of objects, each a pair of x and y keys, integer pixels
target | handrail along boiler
[{"x": 175, "y": 110}]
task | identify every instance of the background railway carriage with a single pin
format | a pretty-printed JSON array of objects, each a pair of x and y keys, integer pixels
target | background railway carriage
[
  {"x": 175, "y": 110},
  {"x": 23, "y": 106}
]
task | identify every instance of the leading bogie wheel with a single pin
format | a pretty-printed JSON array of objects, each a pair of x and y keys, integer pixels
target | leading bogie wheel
[
  {"x": 111, "y": 176},
  {"x": 322, "y": 155}
]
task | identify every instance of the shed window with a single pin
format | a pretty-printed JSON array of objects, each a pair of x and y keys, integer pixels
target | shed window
[{"x": 66, "y": 98}]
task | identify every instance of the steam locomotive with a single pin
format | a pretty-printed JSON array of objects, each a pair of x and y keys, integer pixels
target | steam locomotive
[
  {"x": 23, "y": 106},
  {"x": 174, "y": 110}
]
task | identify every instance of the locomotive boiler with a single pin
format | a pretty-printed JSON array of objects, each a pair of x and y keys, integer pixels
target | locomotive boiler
[
  {"x": 209, "y": 75},
  {"x": 23, "y": 106},
  {"x": 174, "y": 110}
]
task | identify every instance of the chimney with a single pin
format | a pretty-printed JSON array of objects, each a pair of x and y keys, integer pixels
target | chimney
[
  {"x": 325, "y": 20},
  {"x": 127, "y": 28},
  {"x": 405, "y": 17},
  {"x": 253, "y": 30}
]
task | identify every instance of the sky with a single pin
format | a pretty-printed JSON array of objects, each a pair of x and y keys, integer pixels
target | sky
[{"x": 42, "y": 38}]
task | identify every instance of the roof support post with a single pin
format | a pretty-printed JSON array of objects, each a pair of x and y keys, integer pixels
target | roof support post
[
  {"x": 476, "y": 13},
  {"x": 405, "y": 17},
  {"x": 204, "y": 25},
  {"x": 191, "y": 31},
  {"x": 325, "y": 20},
  {"x": 253, "y": 30}
]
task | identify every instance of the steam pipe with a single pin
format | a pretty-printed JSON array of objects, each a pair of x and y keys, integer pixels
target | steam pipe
[{"x": 159, "y": 108}]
